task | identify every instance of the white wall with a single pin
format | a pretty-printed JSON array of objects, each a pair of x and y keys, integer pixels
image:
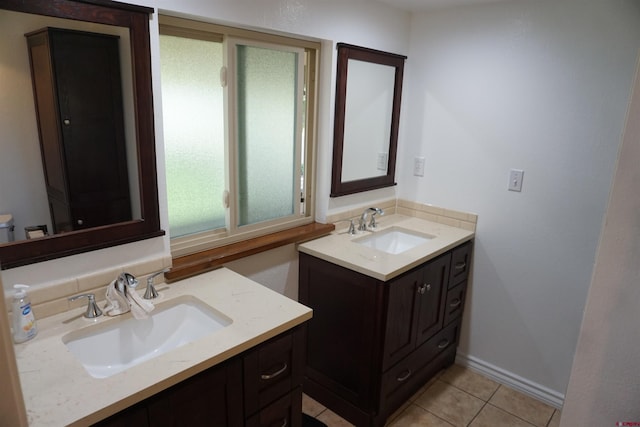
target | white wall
[
  {"x": 604, "y": 387},
  {"x": 534, "y": 85}
]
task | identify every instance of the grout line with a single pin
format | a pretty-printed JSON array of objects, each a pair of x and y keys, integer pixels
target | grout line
[
  {"x": 440, "y": 418},
  {"x": 494, "y": 392},
  {"x": 476, "y": 415},
  {"x": 514, "y": 415}
]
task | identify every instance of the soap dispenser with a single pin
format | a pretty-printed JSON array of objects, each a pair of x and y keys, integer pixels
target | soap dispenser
[{"x": 24, "y": 322}]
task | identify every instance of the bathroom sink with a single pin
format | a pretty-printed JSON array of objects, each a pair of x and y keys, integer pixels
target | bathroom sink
[
  {"x": 114, "y": 346},
  {"x": 394, "y": 240}
]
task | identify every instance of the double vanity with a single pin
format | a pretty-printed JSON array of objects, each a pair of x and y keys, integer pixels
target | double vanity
[{"x": 379, "y": 314}]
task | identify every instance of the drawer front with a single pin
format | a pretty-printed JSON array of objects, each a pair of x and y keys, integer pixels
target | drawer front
[
  {"x": 455, "y": 302},
  {"x": 460, "y": 264},
  {"x": 402, "y": 374},
  {"x": 273, "y": 369},
  {"x": 284, "y": 412}
]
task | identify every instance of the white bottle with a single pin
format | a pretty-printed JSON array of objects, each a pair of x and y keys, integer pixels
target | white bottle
[{"x": 24, "y": 322}]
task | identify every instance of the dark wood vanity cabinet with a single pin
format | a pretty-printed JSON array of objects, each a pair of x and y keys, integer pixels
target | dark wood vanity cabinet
[
  {"x": 372, "y": 344},
  {"x": 78, "y": 99},
  {"x": 261, "y": 387}
]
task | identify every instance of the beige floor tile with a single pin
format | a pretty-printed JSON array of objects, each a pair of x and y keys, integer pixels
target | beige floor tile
[
  {"x": 522, "y": 406},
  {"x": 311, "y": 407},
  {"x": 469, "y": 381},
  {"x": 332, "y": 419},
  {"x": 397, "y": 413},
  {"x": 425, "y": 387},
  {"x": 415, "y": 416},
  {"x": 450, "y": 403},
  {"x": 555, "y": 419},
  {"x": 490, "y": 416}
]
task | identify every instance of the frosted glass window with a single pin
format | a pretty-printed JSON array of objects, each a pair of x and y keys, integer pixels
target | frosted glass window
[
  {"x": 268, "y": 161},
  {"x": 193, "y": 119}
]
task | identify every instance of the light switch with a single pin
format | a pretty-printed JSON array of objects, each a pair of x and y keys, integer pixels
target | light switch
[
  {"x": 418, "y": 166},
  {"x": 515, "y": 179}
]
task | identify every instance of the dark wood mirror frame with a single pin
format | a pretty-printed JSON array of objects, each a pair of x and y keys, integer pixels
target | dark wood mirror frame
[
  {"x": 136, "y": 19},
  {"x": 346, "y": 52}
]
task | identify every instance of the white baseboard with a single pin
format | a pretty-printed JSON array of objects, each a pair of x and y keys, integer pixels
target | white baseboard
[{"x": 537, "y": 391}]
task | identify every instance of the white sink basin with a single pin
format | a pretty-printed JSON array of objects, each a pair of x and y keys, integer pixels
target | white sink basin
[
  {"x": 123, "y": 342},
  {"x": 394, "y": 240}
]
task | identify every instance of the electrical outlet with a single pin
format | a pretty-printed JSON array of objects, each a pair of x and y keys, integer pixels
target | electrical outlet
[
  {"x": 418, "y": 166},
  {"x": 515, "y": 179}
]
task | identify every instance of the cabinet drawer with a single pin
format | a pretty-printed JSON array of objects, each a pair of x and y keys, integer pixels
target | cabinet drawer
[
  {"x": 284, "y": 412},
  {"x": 455, "y": 302},
  {"x": 273, "y": 369},
  {"x": 402, "y": 374},
  {"x": 460, "y": 264}
]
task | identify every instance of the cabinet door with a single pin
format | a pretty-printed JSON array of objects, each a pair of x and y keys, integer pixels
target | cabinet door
[
  {"x": 403, "y": 299},
  {"x": 343, "y": 335},
  {"x": 87, "y": 68},
  {"x": 211, "y": 398},
  {"x": 432, "y": 288}
]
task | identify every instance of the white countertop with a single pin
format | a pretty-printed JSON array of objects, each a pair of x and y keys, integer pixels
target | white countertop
[
  {"x": 340, "y": 249},
  {"x": 58, "y": 391}
]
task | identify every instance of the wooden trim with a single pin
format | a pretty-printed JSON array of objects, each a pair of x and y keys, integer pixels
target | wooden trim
[
  {"x": 200, "y": 262},
  {"x": 297, "y": 41}
]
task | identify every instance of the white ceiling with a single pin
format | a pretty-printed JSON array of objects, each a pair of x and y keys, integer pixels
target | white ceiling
[{"x": 426, "y": 5}]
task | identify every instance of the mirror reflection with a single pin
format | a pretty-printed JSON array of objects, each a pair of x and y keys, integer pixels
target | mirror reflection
[
  {"x": 29, "y": 192},
  {"x": 367, "y": 120},
  {"x": 367, "y": 115}
]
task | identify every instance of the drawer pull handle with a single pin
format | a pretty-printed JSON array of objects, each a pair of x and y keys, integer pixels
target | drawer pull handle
[
  {"x": 424, "y": 287},
  {"x": 455, "y": 303},
  {"x": 443, "y": 344},
  {"x": 405, "y": 376},
  {"x": 275, "y": 374},
  {"x": 284, "y": 423},
  {"x": 460, "y": 265}
]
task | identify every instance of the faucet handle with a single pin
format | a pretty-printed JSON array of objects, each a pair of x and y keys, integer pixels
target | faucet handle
[
  {"x": 93, "y": 310},
  {"x": 151, "y": 292},
  {"x": 352, "y": 227},
  {"x": 372, "y": 223}
]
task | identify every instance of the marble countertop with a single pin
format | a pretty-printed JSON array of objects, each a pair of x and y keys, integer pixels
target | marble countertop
[
  {"x": 340, "y": 248},
  {"x": 58, "y": 390}
]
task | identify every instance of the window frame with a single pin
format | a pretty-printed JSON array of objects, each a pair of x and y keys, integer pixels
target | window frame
[{"x": 198, "y": 242}]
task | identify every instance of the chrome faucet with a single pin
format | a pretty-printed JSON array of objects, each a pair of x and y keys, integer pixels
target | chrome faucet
[
  {"x": 126, "y": 280},
  {"x": 151, "y": 292},
  {"x": 362, "y": 225},
  {"x": 93, "y": 310}
]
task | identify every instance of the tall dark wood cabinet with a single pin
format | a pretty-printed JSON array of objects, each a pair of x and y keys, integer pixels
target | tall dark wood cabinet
[
  {"x": 372, "y": 344},
  {"x": 78, "y": 98}
]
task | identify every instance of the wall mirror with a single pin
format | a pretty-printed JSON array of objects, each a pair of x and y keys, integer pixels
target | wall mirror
[
  {"x": 367, "y": 116},
  {"x": 19, "y": 139}
]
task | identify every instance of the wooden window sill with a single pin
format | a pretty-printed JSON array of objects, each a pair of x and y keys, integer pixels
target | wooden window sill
[{"x": 200, "y": 262}]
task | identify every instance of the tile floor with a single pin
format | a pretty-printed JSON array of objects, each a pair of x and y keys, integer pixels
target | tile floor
[{"x": 458, "y": 397}]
